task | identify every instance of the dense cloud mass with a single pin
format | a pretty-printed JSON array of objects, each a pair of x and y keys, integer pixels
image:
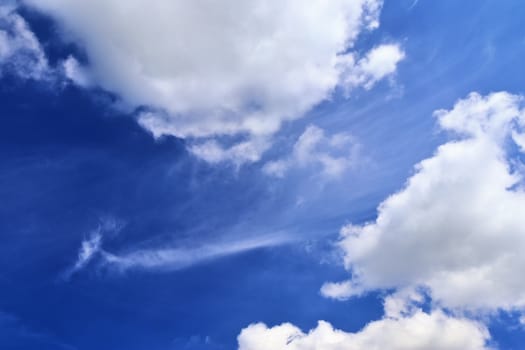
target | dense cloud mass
[
  {"x": 420, "y": 331},
  {"x": 457, "y": 228},
  {"x": 205, "y": 67}
]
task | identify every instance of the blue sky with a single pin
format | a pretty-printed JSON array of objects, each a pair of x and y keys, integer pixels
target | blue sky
[{"x": 174, "y": 183}]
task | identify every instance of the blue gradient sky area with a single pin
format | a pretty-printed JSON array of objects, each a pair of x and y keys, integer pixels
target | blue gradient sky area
[{"x": 69, "y": 162}]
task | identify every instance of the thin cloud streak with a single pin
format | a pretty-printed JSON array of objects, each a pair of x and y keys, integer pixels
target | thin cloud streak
[{"x": 169, "y": 259}]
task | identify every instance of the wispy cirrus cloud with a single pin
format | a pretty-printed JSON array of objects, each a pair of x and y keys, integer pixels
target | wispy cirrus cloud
[
  {"x": 166, "y": 257},
  {"x": 176, "y": 258},
  {"x": 91, "y": 246}
]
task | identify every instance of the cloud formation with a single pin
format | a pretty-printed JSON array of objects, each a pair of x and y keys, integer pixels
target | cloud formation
[
  {"x": 75, "y": 72},
  {"x": 419, "y": 331},
  {"x": 248, "y": 151},
  {"x": 20, "y": 50},
  {"x": 457, "y": 228},
  {"x": 169, "y": 258},
  {"x": 333, "y": 154},
  {"x": 91, "y": 246},
  {"x": 204, "y": 68},
  {"x": 379, "y": 63}
]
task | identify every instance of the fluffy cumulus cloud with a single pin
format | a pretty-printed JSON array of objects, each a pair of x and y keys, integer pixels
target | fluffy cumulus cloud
[
  {"x": 20, "y": 50},
  {"x": 457, "y": 228},
  {"x": 333, "y": 154},
  {"x": 418, "y": 331},
  {"x": 204, "y": 67}
]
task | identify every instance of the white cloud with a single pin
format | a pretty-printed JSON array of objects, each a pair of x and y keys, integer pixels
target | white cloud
[
  {"x": 91, "y": 246},
  {"x": 88, "y": 249},
  {"x": 457, "y": 228},
  {"x": 333, "y": 154},
  {"x": 341, "y": 290},
  {"x": 248, "y": 151},
  {"x": 75, "y": 72},
  {"x": 22, "y": 54},
  {"x": 169, "y": 259},
  {"x": 418, "y": 331},
  {"x": 379, "y": 63},
  {"x": 20, "y": 50},
  {"x": 206, "y": 67}
]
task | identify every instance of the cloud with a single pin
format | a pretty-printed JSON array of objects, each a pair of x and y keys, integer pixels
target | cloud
[
  {"x": 74, "y": 71},
  {"x": 379, "y": 63},
  {"x": 91, "y": 246},
  {"x": 88, "y": 249},
  {"x": 457, "y": 228},
  {"x": 248, "y": 151},
  {"x": 333, "y": 154},
  {"x": 169, "y": 259},
  {"x": 22, "y": 54},
  {"x": 205, "y": 68},
  {"x": 419, "y": 331},
  {"x": 342, "y": 290},
  {"x": 414, "y": 4},
  {"x": 20, "y": 50}
]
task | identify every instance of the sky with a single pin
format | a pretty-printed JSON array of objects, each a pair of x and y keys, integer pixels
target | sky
[{"x": 262, "y": 175}]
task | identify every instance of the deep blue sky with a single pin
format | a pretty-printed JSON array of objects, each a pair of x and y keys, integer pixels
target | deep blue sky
[{"x": 69, "y": 161}]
